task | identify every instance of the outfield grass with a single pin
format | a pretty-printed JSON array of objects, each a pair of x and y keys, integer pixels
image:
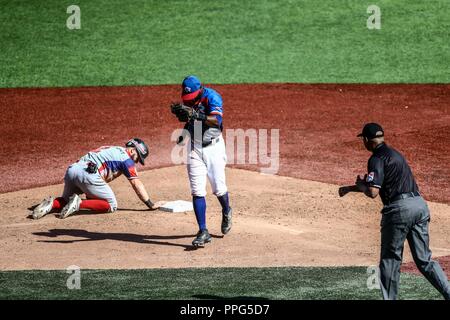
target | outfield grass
[
  {"x": 223, "y": 41},
  {"x": 211, "y": 283}
]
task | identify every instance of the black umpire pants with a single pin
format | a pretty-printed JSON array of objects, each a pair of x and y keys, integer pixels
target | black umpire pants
[{"x": 407, "y": 219}]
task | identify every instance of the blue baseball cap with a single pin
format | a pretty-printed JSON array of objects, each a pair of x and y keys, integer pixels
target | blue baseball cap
[{"x": 191, "y": 88}]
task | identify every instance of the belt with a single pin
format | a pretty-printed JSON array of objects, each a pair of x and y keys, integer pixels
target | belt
[
  {"x": 404, "y": 196},
  {"x": 212, "y": 142}
]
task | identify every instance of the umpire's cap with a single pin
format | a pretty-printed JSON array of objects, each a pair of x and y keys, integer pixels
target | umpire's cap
[
  {"x": 191, "y": 88},
  {"x": 141, "y": 148},
  {"x": 371, "y": 131}
]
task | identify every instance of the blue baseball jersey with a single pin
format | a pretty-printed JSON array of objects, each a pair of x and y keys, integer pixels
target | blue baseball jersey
[
  {"x": 111, "y": 162},
  {"x": 211, "y": 103}
]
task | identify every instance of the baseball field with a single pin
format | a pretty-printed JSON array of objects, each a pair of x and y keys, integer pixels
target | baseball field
[{"x": 307, "y": 73}]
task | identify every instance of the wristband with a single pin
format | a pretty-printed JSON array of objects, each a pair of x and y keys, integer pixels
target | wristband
[{"x": 149, "y": 204}]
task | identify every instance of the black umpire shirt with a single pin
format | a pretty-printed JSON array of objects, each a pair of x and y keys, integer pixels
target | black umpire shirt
[{"x": 388, "y": 170}]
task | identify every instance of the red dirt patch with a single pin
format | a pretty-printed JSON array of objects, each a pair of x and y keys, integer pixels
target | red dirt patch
[{"x": 43, "y": 130}]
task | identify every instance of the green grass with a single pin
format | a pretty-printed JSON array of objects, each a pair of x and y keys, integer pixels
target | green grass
[
  {"x": 223, "y": 41},
  {"x": 291, "y": 283}
]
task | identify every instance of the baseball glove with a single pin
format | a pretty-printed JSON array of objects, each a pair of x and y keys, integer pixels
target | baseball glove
[{"x": 182, "y": 112}]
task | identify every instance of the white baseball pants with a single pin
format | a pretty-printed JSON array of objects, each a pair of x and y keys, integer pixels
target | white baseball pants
[
  {"x": 78, "y": 181},
  {"x": 209, "y": 161}
]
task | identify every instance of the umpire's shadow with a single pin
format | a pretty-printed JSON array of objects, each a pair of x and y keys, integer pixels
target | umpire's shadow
[{"x": 98, "y": 236}]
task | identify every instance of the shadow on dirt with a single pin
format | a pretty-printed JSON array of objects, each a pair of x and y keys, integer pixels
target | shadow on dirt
[
  {"x": 127, "y": 237},
  {"x": 98, "y": 236}
]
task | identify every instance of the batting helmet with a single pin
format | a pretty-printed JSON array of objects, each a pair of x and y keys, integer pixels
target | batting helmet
[{"x": 141, "y": 148}]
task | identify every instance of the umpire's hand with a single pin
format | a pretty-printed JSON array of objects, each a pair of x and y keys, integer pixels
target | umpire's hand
[{"x": 343, "y": 191}]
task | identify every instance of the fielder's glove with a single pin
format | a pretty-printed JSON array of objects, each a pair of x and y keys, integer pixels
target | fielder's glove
[{"x": 185, "y": 113}]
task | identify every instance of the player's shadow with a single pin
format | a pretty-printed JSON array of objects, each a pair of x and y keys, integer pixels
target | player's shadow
[{"x": 127, "y": 237}]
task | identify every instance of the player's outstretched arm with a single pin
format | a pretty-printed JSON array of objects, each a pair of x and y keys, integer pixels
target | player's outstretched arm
[{"x": 141, "y": 192}]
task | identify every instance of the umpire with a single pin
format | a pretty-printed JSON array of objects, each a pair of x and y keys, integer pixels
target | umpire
[{"x": 405, "y": 214}]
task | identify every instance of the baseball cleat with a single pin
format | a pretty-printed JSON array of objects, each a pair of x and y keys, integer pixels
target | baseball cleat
[
  {"x": 226, "y": 221},
  {"x": 72, "y": 206},
  {"x": 203, "y": 237},
  {"x": 43, "y": 208}
]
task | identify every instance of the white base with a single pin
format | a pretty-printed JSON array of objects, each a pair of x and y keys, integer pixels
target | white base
[{"x": 177, "y": 206}]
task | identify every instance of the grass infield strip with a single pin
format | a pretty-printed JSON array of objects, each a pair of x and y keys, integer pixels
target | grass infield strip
[{"x": 291, "y": 283}]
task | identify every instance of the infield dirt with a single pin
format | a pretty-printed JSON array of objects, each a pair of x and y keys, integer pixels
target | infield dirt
[
  {"x": 279, "y": 220},
  {"x": 44, "y": 130}
]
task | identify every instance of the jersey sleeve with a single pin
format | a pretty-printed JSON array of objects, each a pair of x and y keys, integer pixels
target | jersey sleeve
[
  {"x": 129, "y": 169},
  {"x": 375, "y": 172},
  {"x": 215, "y": 107}
]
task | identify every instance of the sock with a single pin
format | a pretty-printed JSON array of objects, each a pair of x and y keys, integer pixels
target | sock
[
  {"x": 97, "y": 205},
  {"x": 200, "y": 211},
  {"x": 224, "y": 202},
  {"x": 58, "y": 204}
]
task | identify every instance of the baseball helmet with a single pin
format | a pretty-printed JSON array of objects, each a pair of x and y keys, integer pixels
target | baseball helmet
[
  {"x": 141, "y": 148},
  {"x": 191, "y": 88}
]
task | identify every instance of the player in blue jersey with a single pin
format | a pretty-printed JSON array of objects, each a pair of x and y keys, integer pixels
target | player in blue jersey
[{"x": 207, "y": 158}]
